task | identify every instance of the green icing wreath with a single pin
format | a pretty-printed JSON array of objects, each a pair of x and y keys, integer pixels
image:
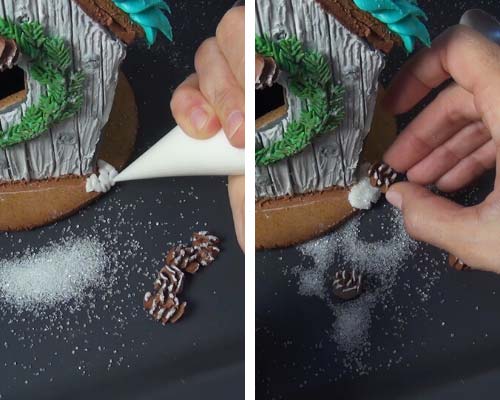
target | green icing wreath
[
  {"x": 50, "y": 65},
  {"x": 310, "y": 79}
]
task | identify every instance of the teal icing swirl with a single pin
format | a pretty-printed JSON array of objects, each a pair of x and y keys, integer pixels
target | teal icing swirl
[
  {"x": 150, "y": 15},
  {"x": 401, "y": 17}
]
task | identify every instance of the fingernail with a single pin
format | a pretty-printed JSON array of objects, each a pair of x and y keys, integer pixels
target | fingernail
[
  {"x": 199, "y": 118},
  {"x": 394, "y": 198},
  {"x": 234, "y": 122}
]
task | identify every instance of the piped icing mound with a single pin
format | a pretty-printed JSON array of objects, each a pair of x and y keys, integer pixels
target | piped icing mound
[
  {"x": 403, "y": 17},
  {"x": 364, "y": 194},
  {"x": 149, "y": 15},
  {"x": 103, "y": 182}
]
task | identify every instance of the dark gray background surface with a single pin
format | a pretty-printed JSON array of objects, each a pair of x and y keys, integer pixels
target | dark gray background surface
[
  {"x": 450, "y": 351},
  {"x": 114, "y": 351}
]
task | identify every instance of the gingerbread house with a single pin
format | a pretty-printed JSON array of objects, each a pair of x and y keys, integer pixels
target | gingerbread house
[
  {"x": 59, "y": 63},
  {"x": 316, "y": 97}
]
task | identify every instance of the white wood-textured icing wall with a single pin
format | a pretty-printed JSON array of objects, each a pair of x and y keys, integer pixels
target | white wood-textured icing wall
[
  {"x": 69, "y": 147},
  {"x": 332, "y": 159}
]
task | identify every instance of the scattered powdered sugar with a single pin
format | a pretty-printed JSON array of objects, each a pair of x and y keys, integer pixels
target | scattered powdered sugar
[
  {"x": 345, "y": 248},
  {"x": 73, "y": 291},
  {"x": 351, "y": 327},
  {"x": 380, "y": 255},
  {"x": 58, "y": 273},
  {"x": 312, "y": 281}
]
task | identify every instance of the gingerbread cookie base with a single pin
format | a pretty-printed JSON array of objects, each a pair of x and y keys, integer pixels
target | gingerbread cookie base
[
  {"x": 288, "y": 221},
  {"x": 29, "y": 205},
  {"x": 292, "y": 220}
]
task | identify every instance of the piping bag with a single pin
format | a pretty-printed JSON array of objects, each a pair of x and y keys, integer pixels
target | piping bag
[
  {"x": 178, "y": 154},
  {"x": 482, "y": 22}
]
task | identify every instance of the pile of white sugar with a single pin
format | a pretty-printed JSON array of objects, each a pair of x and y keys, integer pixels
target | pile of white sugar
[{"x": 54, "y": 275}]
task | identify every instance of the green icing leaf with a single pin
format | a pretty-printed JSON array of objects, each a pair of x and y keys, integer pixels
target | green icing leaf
[
  {"x": 310, "y": 79},
  {"x": 50, "y": 65}
]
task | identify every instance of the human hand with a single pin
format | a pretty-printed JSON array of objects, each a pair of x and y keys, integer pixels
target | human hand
[
  {"x": 214, "y": 97},
  {"x": 450, "y": 143}
]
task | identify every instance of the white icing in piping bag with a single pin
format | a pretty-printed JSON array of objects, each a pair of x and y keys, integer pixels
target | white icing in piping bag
[{"x": 178, "y": 154}]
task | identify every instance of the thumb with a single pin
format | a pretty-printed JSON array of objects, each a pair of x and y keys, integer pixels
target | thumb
[{"x": 433, "y": 219}]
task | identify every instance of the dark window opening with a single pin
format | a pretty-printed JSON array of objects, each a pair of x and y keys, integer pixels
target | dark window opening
[
  {"x": 270, "y": 105},
  {"x": 12, "y": 86}
]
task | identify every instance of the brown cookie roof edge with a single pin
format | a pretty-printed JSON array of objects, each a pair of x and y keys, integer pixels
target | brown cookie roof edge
[
  {"x": 106, "y": 13},
  {"x": 361, "y": 23}
]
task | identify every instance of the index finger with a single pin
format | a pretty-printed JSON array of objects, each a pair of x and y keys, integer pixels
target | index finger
[
  {"x": 231, "y": 41},
  {"x": 463, "y": 55}
]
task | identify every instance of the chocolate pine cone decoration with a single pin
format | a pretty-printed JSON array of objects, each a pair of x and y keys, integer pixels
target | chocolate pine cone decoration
[
  {"x": 382, "y": 176},
  {"x": 163, "y": 303},
  {"x": 206, "y": 246},
  {"x": 457, "y": 263},
  {"x": 202, "y": 252},
  {"x": 269, "y": 74},
  {"x": 185, "y": 258},
  {"x": 347, "y": 285},
  {"x": 9, "y": 53}
]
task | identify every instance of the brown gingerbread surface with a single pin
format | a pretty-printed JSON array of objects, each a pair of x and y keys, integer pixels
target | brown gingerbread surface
[
  {"x": 361, "y": 23},
  {"x": 106, "y": 13},
  {"x": 28, "y": 205},
  {"x": 291, "y": 220}
]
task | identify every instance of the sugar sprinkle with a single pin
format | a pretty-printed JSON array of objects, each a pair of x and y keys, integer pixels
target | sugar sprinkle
[
  {"x": 95, "y": 274},
  {"x": 380, "y": 256},
  {"x": 58, "y": 273}
]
